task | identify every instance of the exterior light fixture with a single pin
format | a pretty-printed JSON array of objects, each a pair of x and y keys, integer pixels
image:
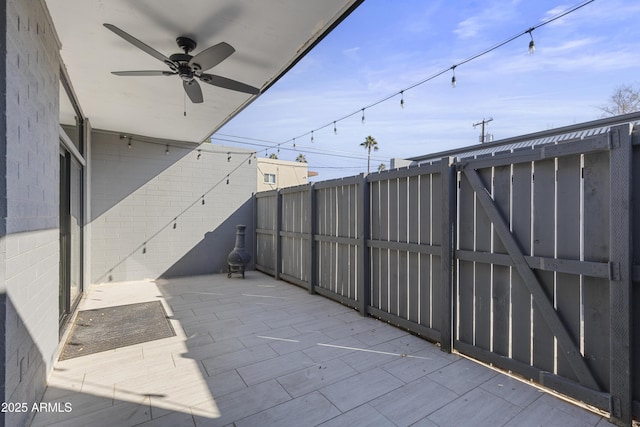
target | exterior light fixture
[
  {"x": 453, "y": 78},
  {"x": 532, "y": 44}
]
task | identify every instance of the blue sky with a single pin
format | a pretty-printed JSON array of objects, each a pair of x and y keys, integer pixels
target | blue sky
[{"x": 384, "y": 47}]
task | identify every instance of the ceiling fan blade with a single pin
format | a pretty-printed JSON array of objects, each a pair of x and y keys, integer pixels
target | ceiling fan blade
[
  {"x": 193, "y": 91},
  {"x": 137, "y": 43},
  {"x": 143, "y": 73},
  {"x": 229, "y": 84},
  {"x": 212, "y": 56}
]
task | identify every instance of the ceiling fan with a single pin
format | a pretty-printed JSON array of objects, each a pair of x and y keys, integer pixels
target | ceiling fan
[{"x": 188, "y": 67}]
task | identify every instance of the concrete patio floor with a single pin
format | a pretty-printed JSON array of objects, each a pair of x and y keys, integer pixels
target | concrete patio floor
[{"x": 260, "y": 352}]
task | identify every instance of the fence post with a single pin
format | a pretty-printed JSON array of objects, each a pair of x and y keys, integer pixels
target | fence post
[
  {"x": 620, "y": 298},
  {"x": 447, "y": 260},
  {"x": 278, "y": 252},
  {"x": 364, "y": 270},
  {"x": 312, "y": 265}
]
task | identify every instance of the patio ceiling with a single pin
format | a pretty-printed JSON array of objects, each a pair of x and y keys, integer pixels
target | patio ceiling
[{"x": 269, "y": 37}]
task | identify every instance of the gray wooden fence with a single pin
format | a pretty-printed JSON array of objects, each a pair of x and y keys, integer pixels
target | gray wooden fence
[{"x": 522, "y": 258}]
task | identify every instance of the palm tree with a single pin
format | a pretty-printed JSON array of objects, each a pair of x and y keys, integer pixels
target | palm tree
[
  {"x": 273, "y": 156},
  {"x": 382, "y": 167},
  {"x": 368, "y": 144},
  {"x": 301, "y": 158}
]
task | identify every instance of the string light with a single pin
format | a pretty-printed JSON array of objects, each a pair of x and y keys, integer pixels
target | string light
[
  {"x": 129, "y": 144},
  {"x": 312, "y": 137},
  {"x": 335, "y": 129},
  {"x": 227, "y": 179},
  {"x": 175, "y": 223},
  {"x": 203, "y": 194},
  {"x": 167, "y": 150},
  {"x": 199, "y": 155},
  {"x": 453, "y": 67},
  {"x": 453, "y": 79},
  {"x": 532, "y": 44},
  {"x": 144, "y": 248},
  {"x": 228, "y": 157},
  {"x": 294, "y": 143}
]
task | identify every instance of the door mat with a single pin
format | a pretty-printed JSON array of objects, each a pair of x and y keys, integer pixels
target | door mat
[{"x": 114, "y": 327}]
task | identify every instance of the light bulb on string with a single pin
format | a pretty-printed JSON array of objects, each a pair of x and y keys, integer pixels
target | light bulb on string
[
  {"x": 312, "y": 137},
  {"x": 166, "y": 151},
  {"x": 129, "y": 144},
  {"x": 335, "y": 129},
  {"x": 175, "y": 223},
  {"x": 227, "y": 179},
  {"x": 228, "y": 157},
  {"x": 203, "y": 199},
  {"x": 453, "y": 78},
  {"x": 144, "y": 248},
  {"x": 294, "y": 143},
  {"x": 532, "y": 44},
  {"x": 362, "y": 116},
  {"x": 402, "y": 99},
  {"x": 199, "y": 155}
]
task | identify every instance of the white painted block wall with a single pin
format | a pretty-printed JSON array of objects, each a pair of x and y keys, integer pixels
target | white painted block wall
[
  {"x": 30, "y": 236},
  {"x": 137, "y": 192}
]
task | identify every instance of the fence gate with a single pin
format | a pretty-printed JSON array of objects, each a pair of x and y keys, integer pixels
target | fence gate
[
  {"x": 522, "y": 259},
  {"x": 542, "y": 273}
]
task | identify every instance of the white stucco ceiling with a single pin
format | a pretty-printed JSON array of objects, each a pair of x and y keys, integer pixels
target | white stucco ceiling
[{"x": 268, "y": 35}]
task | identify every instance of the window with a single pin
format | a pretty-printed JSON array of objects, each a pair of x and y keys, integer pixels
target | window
[{"x": 270, "y": 178}]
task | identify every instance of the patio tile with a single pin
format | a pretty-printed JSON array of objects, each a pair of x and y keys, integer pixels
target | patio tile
[
  {"x": 315, "y": 377},
  {"x": 285, "y": 332},
  {"x": 173, "y": 419},
  {"x": 414, "y": 401},
  {"x": 478, "y": 408},
  {"x": 275, "y": 367},
  {"x": 462, "y": 375},
  {"x": 246, "y": 402},
  {"x": 363, "y": 359},
  {"x": 552, "y": 411},
  {"x": 417, "y": 366},
  {"x": 353, "y": 328},
  {"x": 238, "y": 331},
  {"x": 112, "y": 415},
  {"x": 409, "y": 344},
  {"x": 512, "y": 390},
  {"x": 224, "y": 383},
  {"x": 238, "y": 359},
  {"x": 209, "y": 350},
  {"x": 362, "y": 416},
  {"x": 323, "y": 353},
  {"x": 310, "y": 410},
  {"x": 379, "y": 334},
  {"x": 361, "y": 388}
]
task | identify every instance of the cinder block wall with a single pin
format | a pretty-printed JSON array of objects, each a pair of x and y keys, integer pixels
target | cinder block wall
[
  {"x": 137, "y": 191},
  {"x": 29, "y": 83}
]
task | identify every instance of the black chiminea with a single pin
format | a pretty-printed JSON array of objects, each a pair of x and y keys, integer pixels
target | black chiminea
[{"x": 238, "y": 258}]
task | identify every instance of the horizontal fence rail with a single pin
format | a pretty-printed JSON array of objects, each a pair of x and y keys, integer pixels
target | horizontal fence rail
[{"x": 524, "y": 259}]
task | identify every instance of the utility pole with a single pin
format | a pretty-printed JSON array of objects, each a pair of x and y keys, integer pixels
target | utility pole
[{"x": 483, "y": 123}]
